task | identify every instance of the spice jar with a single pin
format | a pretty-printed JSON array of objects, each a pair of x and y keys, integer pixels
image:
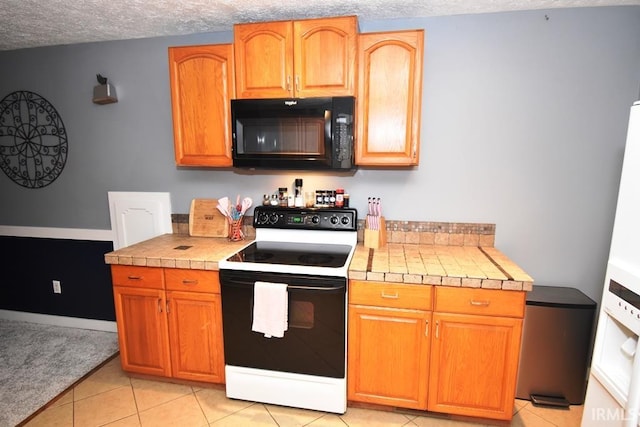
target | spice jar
[
  {"x": 282, "y": 196},
  {"x": 340, "y": 198}
]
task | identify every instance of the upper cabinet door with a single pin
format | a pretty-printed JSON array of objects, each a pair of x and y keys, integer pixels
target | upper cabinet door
[
  {"x": 389, "y": 98},
  {"x": 202, "y": 86},
  {"x": 325, "y": 56},
  {"x": 264, "y": 59},
  {"x": 284, "y": 59}
]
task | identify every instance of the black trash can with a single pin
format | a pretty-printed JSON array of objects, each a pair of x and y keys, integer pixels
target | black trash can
[{"x": 557, "y": 341}]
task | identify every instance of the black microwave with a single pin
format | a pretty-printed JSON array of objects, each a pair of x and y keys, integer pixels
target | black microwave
[{"x": 293, "y": 133}]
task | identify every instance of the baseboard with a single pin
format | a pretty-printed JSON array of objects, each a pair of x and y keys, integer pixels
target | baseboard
[{"x": 69, "y": 322}]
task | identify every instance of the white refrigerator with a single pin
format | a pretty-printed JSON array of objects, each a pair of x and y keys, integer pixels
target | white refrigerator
[{"x": 613, "y": 390}]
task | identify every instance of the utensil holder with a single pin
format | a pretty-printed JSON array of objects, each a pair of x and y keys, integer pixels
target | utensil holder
[
  {"x": 375, "y": 239},
  {"x": 235, "y": 230}
]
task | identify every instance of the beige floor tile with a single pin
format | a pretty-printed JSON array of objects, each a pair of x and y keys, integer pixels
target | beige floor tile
[
  {"x": 255, "y": 415},
  {"x": 565, "y": 417},
  {"x": 132, "y": 421},
  {"x": 104, "y": 408},
  {"x": 356, "y": 417},
  {"x": 525, "y": 418},
  {"x": 216, "y": 405},
  {"x": 292, "y": 417},
  {"x": 435, "y": 421},
  {"x": 108, "y": 377},
  {"x": 54, "y": 416},
  {"x": 519, "y": 404},
  {"x": 328, "y": 420},
  {"x": 64, "y": 399},
  {"x": 153, "y": 393},
  {"x": 181, "y": 412}
]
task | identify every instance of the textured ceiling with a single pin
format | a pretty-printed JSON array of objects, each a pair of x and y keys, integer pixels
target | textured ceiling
[{"x": 32, "y": 23}]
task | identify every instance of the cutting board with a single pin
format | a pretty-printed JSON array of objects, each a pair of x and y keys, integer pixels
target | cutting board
[{"x": 205, "y": 220}]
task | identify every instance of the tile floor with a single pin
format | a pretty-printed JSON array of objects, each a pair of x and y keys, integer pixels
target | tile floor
[{"x": 109, "y": 397}]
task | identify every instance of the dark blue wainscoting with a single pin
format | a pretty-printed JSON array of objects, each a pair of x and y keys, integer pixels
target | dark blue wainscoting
[{"x": 29, "y": 265}]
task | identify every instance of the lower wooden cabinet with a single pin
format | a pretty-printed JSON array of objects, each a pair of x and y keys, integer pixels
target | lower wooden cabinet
[
  {"x": 389, "y": 328},
  {"x": 441, "y": 349},
  {"x": 169, "y": 322},
  {"x": 475, "y": 351},
  {"x": 142, "y": 330}
]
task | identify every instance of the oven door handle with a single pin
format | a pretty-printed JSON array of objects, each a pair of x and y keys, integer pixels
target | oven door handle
[
  {"x": 239, "y": 284},
  {"x": 315, "y": 288}
]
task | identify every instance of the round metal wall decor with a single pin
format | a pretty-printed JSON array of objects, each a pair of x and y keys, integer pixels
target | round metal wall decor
[{"x": 33, "y": 140}]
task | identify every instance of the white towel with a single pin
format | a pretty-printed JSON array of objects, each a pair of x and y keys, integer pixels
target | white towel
[{"x": 270, "y": 309}]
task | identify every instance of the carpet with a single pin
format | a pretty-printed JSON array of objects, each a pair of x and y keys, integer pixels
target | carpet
[{"x": 38, "y": 362}]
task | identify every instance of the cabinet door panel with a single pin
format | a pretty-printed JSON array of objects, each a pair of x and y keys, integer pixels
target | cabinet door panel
[
  {"x": 474, "y": 364},
  {"x": 264, "y": 59},
  {"x": 202, "y": 85},
  {"x": 142, "y": 330},
  {"x": 388, "y": 356},
  {"x": 389, "y": 98},
  {"x": 196, "y": 336},
  {"x": 325, "y": 56}
]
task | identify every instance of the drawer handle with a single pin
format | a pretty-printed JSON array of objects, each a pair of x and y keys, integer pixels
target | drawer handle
[
  {"x": 134, "y": 277},
  {"x": 480, "y": 303},
  {"x": 383, "y": 294},
  {"x": 189, "y": 282}
]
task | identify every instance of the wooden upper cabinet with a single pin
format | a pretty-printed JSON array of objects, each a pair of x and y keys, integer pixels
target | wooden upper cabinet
[
  {"x": 389, "y": 98},
  {"x": 307, "y": 58},
  {"x": 202, "y": 86}
]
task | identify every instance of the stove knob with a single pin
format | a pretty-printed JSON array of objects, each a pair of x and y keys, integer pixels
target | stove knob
[
  {"x": 315, "y": 219},
  {"x": 263, "y": 218},
  {"x": 273, "y": 218},
  {"x": 334, "y": 220},
  {"x": 345, "y": 220}
]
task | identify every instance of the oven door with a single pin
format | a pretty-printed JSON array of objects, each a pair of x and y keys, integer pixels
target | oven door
[{"x": 314, "y": 343}]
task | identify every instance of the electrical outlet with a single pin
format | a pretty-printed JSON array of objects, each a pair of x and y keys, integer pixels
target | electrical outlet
[{"x": 56, "y": 287}]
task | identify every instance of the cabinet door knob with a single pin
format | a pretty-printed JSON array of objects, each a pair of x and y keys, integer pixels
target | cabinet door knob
[{"x": 426, "y": 328}]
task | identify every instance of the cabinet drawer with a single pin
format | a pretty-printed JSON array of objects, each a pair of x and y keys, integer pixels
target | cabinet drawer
[
  {"x": 140, "y": 277},
  {"x": 487, "y": 302},
  {"x": 395, "y": 295},
  {"x": 179, "y": 279}
]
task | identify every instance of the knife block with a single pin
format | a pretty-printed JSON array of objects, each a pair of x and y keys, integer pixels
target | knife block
[{"x": 375, "y": 239}]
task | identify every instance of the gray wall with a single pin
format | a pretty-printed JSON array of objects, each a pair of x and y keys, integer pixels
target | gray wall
[{"x": 523, "y": 125}]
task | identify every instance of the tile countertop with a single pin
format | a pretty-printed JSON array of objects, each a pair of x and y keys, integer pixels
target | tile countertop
[{"x": 465, "y": 266}]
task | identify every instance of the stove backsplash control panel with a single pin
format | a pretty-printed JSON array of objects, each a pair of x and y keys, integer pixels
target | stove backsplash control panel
[{"x": 305, "y": 218}]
